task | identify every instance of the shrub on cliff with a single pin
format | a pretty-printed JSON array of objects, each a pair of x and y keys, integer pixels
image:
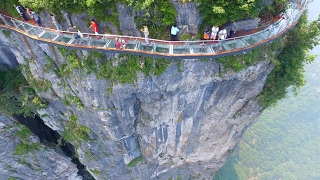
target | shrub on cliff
[
  {"x": 220, "y": 12},
  {"x": 16, "y": 96},
  {"x": 288, "y": 72}
]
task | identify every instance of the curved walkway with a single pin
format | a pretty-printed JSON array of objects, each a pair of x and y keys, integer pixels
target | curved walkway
[{"x": 160, "y": 48}]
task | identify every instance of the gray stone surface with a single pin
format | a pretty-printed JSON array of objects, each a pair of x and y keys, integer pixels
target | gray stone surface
[
  {"x": 181, "y": 123},
  {"x": 188, "y": 18},
  {"x": 7, "y": 57},
  {"x": 44, "y": 163},
  {"x": 248, "y": 24}
]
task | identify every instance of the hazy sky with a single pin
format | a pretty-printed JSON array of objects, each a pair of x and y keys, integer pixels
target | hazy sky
[{"x": 313, "y": 9}]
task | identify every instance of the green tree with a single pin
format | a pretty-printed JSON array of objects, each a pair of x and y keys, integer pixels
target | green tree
[
  {"x": 220, "y": 12},
  {"x": 288, "y": 72},
  {"x": 16, "y": 96}
]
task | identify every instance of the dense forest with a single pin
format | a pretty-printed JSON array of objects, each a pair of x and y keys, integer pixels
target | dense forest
[{"x": 284, "y": 142}]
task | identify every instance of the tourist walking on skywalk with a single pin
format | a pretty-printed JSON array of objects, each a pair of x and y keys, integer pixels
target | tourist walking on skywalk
[
  {"x": 233, "y": 28},
  {"x": 21, "y": 13},
  {"x": 223, "y": 34},
  {"x": 76, "y": 34},
  {"x": 94, "y": 27},
  {"x": 145, "y": 31},
  {"x": 28, "y": 11},
  {"x": 174, "y": 32},
  {"x": 36, "y": 18},
  {"x": 55, "y": 21},
  {"x": 214, "y": 32}
]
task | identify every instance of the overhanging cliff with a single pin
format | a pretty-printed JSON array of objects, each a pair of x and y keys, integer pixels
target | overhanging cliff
[{"x": 183, "y": 123}]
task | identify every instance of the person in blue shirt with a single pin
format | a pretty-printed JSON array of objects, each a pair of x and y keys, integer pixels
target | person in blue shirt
[
  {"x": 36, "y": 18},
  {"x": 174, "y": 32}
]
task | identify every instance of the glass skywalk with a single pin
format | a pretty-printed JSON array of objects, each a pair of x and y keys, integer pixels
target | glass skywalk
[{"x": 161, "y": 48}]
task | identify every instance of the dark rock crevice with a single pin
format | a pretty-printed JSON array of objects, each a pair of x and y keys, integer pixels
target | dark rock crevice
[{"x": 47, "y": 135}]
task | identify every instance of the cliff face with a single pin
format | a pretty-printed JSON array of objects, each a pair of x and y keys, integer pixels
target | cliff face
[
  {"x": 39, "y": 163},
  {"x": 179, "y": 124}
]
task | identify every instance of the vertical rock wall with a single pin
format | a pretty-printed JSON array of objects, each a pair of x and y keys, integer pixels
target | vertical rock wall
[{"x": 179, "y": 124}]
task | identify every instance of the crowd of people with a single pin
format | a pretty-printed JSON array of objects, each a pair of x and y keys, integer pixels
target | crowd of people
[
  {"x": 26, "y": 14},
  {"x": 213, "y": 34}
]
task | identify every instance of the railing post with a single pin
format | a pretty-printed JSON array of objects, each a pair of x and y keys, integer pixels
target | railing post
[
  {"x": 13, "y": 23},
  {"x": 233, "y": 43},
  {"x": 270, "y": 31},
  {"x": 153, "y": 47},
  {"x": 170, "y": 48},
  {"x": 3, "y": 19}
]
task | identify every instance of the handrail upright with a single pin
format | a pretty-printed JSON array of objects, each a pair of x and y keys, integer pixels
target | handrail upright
[{"x": 13, "y": 23}]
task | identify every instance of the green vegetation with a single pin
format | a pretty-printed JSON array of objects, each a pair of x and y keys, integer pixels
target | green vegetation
[
  {"x": 89, "y": 156},
  {"x": 24, "y": 133},
  {"x": 220, "y": 12},
  {"x": 185, "y": 37},
  {"x": 8, "y": 6},
  {"x": 39, "y": 85},
  {"x": 288, "y": 71},
  {"x": 12, "y": 178},
  {"x": 6, "y": 33},
  {"x": 96, "y": 172},
  {"x": 135, "y": 161},
  {"x": 284, "y": 141},
  {"x": 158, "y": 15},
  {"x": 75, "y": 132},
  {"x": 239, "y": 62},
  {"x": 126, "y": 70},
  {"x": 116, "y": 70},
  {"x": 16, "y": 96},
  {"x": 25, "y": 146},
  {"x": 179, "y": 177}
]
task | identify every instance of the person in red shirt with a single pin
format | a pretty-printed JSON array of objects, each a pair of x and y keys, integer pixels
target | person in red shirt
[{"x": 94, "y": 27}]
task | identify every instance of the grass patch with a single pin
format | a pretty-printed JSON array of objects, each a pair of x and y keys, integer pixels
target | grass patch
[
  {"x": 74, "y": 132},
  {"x": 135, "y": 161},
  {"x": 96, "y": 172},
  {"x": 24, "y": 148},
  {"x": 6, "y": 33}
]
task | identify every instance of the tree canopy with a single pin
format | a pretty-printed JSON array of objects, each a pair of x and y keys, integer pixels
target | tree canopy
[
  {"x": 288, "y": 71},
  {"x": 16, "y": 96}
]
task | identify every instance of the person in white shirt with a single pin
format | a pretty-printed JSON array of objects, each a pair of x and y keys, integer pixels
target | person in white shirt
[
  {"x": 214, "y": 32},
  {"x": 222, "y": 34},
  {"x": 174, "y": 32},
  {"x": 145, "y": 31}
]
